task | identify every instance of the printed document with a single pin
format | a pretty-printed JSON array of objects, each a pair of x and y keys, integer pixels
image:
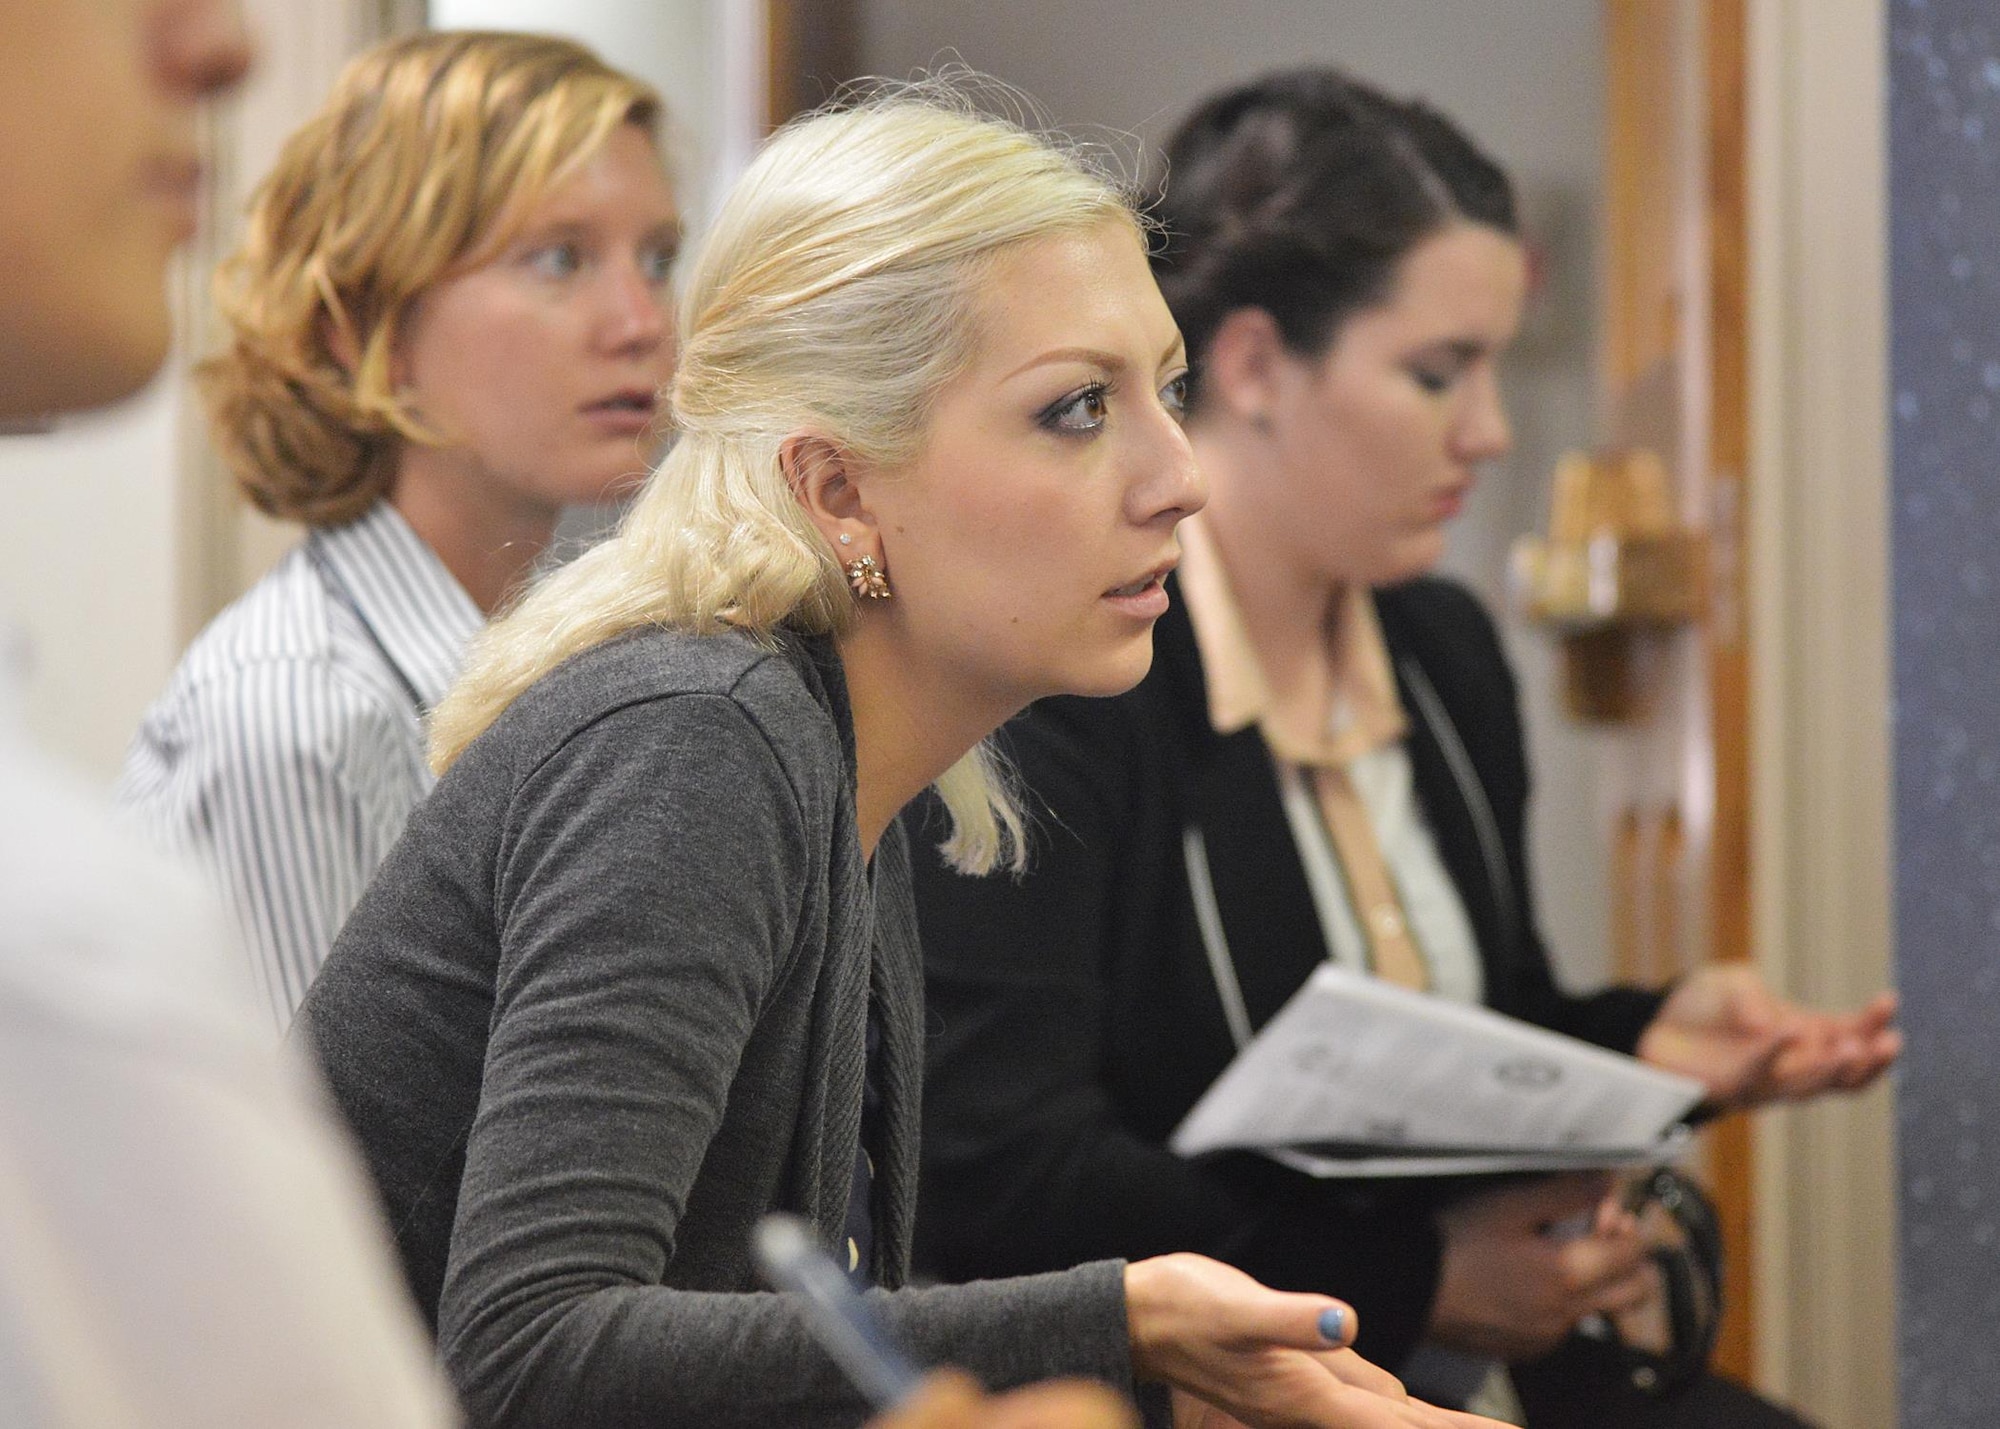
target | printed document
[{"x": 1359, "y": 1077}]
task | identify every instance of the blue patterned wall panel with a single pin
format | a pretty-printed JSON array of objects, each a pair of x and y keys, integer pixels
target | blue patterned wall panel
[{"x": 1944, "y": 222}]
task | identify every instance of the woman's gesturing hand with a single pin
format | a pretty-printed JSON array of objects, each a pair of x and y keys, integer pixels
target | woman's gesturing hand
[
  {"x": 1724, "y": 1027},
  {"x": 1238, "y": 1353}
]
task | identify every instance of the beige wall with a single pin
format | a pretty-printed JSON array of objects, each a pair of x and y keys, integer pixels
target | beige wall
[
  {"x": 692, "y": 51},
  {"x": 1819, "y": 603},
  {"x": 87, "y": 555}
]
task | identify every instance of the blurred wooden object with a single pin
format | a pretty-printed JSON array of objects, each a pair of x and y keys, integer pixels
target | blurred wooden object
[
  {"x": 1675, "y": 365},
  {"x": 1615, "y": 572},
  {"x": 812, "y": 50},
  {"x": 1648, "y": 902}
]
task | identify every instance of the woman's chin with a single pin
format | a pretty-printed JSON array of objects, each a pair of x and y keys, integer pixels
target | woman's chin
[
  {"x": 1115, "y": 674},
  {"x": 1406, "y": 561}
]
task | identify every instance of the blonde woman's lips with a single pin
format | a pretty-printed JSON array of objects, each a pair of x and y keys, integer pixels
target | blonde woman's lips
[
  {"x": 626, "y": 413},
  {"x": 1146, "y": 597},
  {"x": 173, "y": 181}
]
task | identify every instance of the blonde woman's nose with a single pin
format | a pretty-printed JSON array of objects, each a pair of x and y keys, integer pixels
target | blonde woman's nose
[
  {"x": 199, "y": 48},
  {"x": 638, "y": 312},
  {"x": 1172, "y": 483}
]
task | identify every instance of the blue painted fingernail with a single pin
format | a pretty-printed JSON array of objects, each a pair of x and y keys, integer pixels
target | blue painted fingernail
[{"x": 1333, "y": 1325}]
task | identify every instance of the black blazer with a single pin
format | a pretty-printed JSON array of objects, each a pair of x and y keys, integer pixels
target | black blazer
[{"x": 1075, "y": 1019}]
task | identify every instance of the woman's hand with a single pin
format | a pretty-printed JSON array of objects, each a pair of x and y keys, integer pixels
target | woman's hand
[
  {"x": 1192, "y": 1413},
  {"x": 951, "y": 1400},
  {"x": 1524, "y": 1263},
  {"x": 1237, "y": 1353},
  {"x": 1726, "y": 1029}
]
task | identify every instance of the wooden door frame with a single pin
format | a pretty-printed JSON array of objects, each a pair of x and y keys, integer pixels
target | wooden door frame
[
  {"x": 1674, "y": 334},
  {"x": 811, "y": 49},
  {"x": 1731, "y": 1150}
]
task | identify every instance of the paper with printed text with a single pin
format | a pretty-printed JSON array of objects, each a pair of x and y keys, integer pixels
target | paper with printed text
[{"x": 1359, "y": 1077}]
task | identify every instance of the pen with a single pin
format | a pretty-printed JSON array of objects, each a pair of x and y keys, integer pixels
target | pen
[{"x": 844, "y": 1324}]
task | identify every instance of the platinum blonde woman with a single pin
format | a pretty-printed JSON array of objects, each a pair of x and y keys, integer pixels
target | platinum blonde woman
[{"x": 644, "y": 967}]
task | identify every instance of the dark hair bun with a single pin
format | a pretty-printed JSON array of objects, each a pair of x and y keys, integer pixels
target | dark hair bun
[{"x": 1300, "y": 192}]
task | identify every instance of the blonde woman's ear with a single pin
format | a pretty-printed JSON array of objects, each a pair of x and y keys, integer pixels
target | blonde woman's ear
[
  {"x": 821, "y": 475},
  {"x": 340, "y": 341}
]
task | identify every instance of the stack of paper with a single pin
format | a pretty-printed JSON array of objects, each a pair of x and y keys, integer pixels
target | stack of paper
[{"x": 1358, "y": 1077}]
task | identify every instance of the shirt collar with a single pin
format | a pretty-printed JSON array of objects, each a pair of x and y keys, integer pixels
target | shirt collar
[
  {"x": 418, "y": 613},
  {"x": 1365, "y": 712}
]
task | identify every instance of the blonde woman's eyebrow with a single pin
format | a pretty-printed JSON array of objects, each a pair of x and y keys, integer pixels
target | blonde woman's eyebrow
[
  {"x": 562, "y": 229},
  {"x": 1110, "y": 362},
  {"x": 555, "y": 230}
]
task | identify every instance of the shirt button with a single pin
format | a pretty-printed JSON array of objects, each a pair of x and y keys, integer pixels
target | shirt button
[{"x": 1388, "y": 921}]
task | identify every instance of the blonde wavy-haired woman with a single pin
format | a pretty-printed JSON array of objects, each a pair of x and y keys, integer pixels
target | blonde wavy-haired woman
[
  {"x": 448, "y": 320},
  {"x": 644, "y": 966}
]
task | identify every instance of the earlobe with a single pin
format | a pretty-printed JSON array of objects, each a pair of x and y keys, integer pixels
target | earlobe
[
  {"x": 340, "y": 342},
  {"x": 344, "y": 346}
]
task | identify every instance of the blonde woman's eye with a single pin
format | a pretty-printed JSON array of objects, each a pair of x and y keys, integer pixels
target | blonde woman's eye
[
  {"x": 1174, "y": 396},
  {"x": 556, "y": 260},
  {"x": 1082, "y": 411},
  {"x": 657, "y": 264}
]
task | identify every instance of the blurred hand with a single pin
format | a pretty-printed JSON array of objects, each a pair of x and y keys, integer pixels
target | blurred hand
[
  {"x": 1726, "y": 1029},
  {"x": 1191, "y": 1413},
  {"x": 951, "y": 1400},
  {"x": 1239, "y": 1354},
  {"x": 1524, "y": 1263}
]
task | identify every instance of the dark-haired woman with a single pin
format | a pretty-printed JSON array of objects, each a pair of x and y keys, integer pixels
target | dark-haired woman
[{"x": 1325, "y": 761}]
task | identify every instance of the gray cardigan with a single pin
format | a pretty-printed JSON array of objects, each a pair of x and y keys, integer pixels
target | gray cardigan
[{"x": 606, "y": 1003}]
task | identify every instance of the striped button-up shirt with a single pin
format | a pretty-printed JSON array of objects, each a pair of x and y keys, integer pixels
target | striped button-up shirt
[{"x": 288, "y": 750}]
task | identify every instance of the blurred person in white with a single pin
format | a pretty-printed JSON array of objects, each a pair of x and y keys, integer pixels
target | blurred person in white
[
  {"x": 183, "y": 1240},
  {"x": 449, "y": 319}
]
